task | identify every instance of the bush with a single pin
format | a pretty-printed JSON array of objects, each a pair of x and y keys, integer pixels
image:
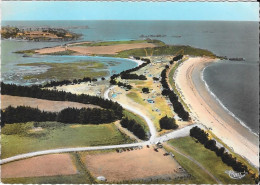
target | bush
[
  {"x": 168, "y": 123},
  {"x": 145, "y": 90}
]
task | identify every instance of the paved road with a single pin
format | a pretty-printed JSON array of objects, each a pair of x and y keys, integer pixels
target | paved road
[{"x": 153, "y": 139}]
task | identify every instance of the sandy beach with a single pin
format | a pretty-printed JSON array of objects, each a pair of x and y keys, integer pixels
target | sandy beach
[{"x": 206, "y": 110}]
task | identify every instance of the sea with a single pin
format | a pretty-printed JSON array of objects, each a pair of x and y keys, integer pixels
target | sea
[{"x": 235, "y": 84}]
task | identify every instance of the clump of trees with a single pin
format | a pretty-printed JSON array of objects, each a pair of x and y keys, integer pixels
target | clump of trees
[
  {"x": 210, "y": 144},
  {"x": 134, "y": 127},
  {"x": 145, "y": 90},
  {"x": 178, "y": 57},
  {"x": 86, "y": 116},
  {"x": 22, "y": 114},
  {"x": 120, "y": 84},
  {"x": 36, "y": 92},
  {"x": 177, "y": 106},
  {"x": 168, "y": 123},
  {"x": 133, "y": 76},
  {"x": 67, "y": 82},
  {"x": 126, "y": 74}
]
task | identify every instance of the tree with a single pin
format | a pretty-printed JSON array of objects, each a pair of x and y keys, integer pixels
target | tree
[
  {"x": 211, "y": 144},
  {"x": 220, "y": 151},
  {"x": 168, "y": 123},
  {"x": 145, "y": 90}
]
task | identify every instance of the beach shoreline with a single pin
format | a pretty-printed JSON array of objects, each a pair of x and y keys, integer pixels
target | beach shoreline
[{"x": 207, "y": 110}]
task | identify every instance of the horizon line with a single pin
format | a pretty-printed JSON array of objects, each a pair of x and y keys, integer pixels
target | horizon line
[{"x": 132, "y": 20}]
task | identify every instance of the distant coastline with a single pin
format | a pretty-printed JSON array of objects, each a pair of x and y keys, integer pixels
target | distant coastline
[{"x": 37, "y": 34}]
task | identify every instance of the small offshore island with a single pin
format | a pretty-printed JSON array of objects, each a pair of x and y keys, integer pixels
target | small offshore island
[{"x": 160, "y": 111}]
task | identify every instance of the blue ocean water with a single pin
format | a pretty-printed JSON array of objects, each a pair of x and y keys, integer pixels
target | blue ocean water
[{"x": 235, "y": 83}]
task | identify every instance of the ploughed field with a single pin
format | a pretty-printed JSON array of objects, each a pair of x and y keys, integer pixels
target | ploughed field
[
  {"x": 46, "y": 105},
  {"x": 46, "y": 165},
  {"x": 134, "y": 165},
  {"x": 101, "y": 48}
]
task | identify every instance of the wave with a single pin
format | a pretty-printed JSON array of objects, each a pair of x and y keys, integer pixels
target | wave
[{"x": 223, "y": 106}]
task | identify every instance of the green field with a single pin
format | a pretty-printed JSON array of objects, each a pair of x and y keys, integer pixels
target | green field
[
  {"x": 166, "y": 50},
  {"x": 76, "y": 70},
  {"x": 208, "y": 159},
  {"x": 19, "y": 138}
]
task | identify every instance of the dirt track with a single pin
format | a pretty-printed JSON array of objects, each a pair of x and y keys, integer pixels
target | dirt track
[
  {"x": 46, "y": 105},
  {"x": 46, "y": 165}
]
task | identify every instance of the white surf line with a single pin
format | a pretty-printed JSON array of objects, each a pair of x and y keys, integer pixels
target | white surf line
[
  {"x": 132, "y": 109},
  {"x": 139, "y": 62}
]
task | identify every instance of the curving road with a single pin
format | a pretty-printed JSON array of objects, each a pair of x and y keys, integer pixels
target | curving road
[{"x": 132, "y": 109}]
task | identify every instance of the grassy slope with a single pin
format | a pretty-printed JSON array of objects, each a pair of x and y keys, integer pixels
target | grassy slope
[
  {"x": 76, "y": 70},
  {"x": 165, "y": 50},
  {"x": 208, "y": 159},
  {"x": 57, "y": 135}
]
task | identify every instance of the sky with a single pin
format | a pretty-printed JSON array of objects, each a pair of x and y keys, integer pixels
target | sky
[{"x": 93, "y": 10}]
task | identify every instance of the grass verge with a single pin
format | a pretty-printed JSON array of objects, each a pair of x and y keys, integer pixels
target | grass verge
[
  {"x": 172, "y": 83},
  {"x": 208, "y": 159}
]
